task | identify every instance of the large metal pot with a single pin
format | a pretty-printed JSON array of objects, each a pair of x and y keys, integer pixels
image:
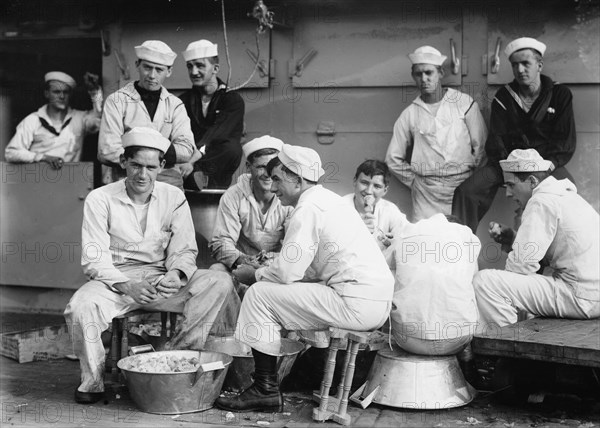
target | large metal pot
[
  {"x": 175, "y": 393},
  {"x": 400, "y": 379},
  {"x": 239, "y": 374}
]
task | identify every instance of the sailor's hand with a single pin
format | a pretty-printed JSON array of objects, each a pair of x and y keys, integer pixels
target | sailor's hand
[
  {"x": 245, "y": 274},
  {"x": 502, "y": 234},
  {"x": 261, "y": 257},
  {"x": 386, "y": 238},
  {"x": 169, "y": 284},
  {"x": 91, "y": 81},
  {"x": 54, "y": 161},
  {"x": 494, "y": 230},
  {"x": 139, "y": 290},
  {"x": 369, "y": 220},
  {"x": 245, "y": 259},
  {"x": 257, "y": 260},
  {"x": 369, "y": 203},
  {"x": 185, "y": 169}
]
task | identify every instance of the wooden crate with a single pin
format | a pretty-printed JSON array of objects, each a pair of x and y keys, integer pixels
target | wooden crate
[{"x": 37, "y": 345}]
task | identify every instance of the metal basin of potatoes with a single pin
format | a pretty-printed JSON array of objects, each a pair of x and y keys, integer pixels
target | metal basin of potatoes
[{"x": 176, "y": 392}]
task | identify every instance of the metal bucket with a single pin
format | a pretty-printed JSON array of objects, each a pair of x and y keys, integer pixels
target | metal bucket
[
  {"x": 238, "y": 376},
  {"x": 175, "y": 393},
  {"x": 400, "y": 379}
]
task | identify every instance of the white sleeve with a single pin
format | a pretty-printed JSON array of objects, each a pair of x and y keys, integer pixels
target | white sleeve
[
  {"x": 396, "y": 156},
  {"x": 226, "y": 233},
  {"x": 96, "y": 258},
  {"x": 536, "y": 233},
  {"x": 110, "y": 147},
  {"x": 478, "y": 133},
  {"x": 297, "y": 252},
  {"x": 181, "y": 134},
  {"x": 17, "y": 150}
]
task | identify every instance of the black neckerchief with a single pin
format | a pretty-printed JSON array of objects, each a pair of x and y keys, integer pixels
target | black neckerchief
[
  {"x": 539, "y": 108},
  {"x": 150, "y": 99},
  {"x": 51, "y": 128}
]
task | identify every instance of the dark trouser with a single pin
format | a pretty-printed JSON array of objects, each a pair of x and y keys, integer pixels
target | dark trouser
[
  {"x": 219, "y": 163},
  {"x": 473, "y": 198}
]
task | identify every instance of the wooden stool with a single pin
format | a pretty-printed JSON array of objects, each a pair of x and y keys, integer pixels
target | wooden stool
[
  {"x": 119, "y": 347},
  {"x": 335, "y": 408}
]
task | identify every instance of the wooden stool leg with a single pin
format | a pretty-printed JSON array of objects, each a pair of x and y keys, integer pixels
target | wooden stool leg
[
  {"x": 351, "y": 340},
  {"x": 328, "y": 376},
  {"x": 114, "y": 349},
  {"x": 348, "y": 377},
  {"x": 163, "y": 325},
  {"x": 340, "y": 390},
  {"x": 125, "y": 337},
  {"x": 173, "y": 322}
]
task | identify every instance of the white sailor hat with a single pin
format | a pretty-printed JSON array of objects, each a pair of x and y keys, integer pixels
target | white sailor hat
[
  {"x": 145, "y": 137},
  {"x": 302, "y": 161},
  {"x": 427, "y": 55},
  {"x": 524, "y": 43},
  {"x": 264, "y": 142},
  {"x": 528, "y": 160},
  {"x": 156, "y": 51},
  {"x": 61, "y": 77},
  {"x": 200, "y": 49}
]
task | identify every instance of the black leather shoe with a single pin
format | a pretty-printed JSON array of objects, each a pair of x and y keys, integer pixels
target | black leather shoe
[
  {"x": 252, "y": 400},
  {"x": 88, "y": 397}
]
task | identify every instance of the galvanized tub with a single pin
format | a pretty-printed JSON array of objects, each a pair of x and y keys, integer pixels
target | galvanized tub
[
  {"x": 400, "y": 379},
  {"x": 176, "y": 392},
  {"x": 239, "y": 374}
]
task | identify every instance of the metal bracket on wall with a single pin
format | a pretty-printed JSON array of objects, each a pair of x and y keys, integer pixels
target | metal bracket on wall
[
  {"x": 263, "y": 69},
  {"x": 122, "y": 63},
  {"x": 105, "y": 39},
  {"x": 455, "y": 60},
  {"x": 297, "y": 67},
  {"x": 496, "y": 57},
  {"x": 326, "y": 132}
]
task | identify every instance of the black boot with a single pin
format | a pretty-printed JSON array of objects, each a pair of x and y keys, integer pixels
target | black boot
[
  {"x": 467, "y": 365},
  {"x": 263, "y": 395}
]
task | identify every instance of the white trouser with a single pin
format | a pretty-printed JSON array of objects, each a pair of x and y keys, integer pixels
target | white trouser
[
  {"x": 433, "y": 194},
  {"x": 208, "y": 303},
  {"x": 419, "y": 346},
  {"x": 500, "y": 294},
  {"x": 239, "y": 287},
  {"x": 267, "y": 307}
]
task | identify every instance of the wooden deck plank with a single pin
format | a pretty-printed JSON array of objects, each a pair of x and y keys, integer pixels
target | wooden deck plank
[{"x": 556, "y": 340}]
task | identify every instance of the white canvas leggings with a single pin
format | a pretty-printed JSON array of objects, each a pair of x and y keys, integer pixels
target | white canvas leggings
[{"x": 268, "y": 307}]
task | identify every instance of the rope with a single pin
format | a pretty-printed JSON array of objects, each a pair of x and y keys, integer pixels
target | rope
[
  {"x": 226, "y": 42},
  {"x": 227, "y": 53},
  {"x": 253, "y": 71}
]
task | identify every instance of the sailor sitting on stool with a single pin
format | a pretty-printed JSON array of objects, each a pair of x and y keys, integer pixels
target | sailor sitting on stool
[
  {"x": 434, "y": 310},
  {"x": 329, "y": 272}
]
